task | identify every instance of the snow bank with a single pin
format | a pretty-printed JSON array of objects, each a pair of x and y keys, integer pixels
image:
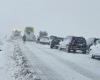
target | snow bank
[
  {"x": 14, "y": 64},
  {"x": 22, "y": 69}
]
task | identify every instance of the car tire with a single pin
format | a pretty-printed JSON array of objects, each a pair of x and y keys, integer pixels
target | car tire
[
  {"x": 93, "y": 56},
  {"x": 51, "y": 46},
  {"x": 74, "y": 51},
  {"x": 69, "y": 50},
  {"x": 84, "y": 51},
  {"x": 60, "y": 48}
]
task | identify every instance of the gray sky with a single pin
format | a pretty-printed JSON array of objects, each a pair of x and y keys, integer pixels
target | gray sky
[{"x": 59, "y": 17}]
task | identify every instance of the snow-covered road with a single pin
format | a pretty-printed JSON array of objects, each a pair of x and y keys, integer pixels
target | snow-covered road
[
  {"x": 58, "y": 65},
  {"x": 31, "y": 61}
]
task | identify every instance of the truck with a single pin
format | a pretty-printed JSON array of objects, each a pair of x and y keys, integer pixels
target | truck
[{"x": 29, "y": 33}]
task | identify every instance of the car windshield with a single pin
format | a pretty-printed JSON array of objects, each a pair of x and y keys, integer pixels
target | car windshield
[
  {"x": 79, "y": 40},
  {"x": 67, "y": 40}
]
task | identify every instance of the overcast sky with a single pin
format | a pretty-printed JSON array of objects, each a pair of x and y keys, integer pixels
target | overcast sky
[{"x": 59, "y": 17}]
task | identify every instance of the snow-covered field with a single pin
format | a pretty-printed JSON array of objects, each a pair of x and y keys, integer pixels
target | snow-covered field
[{"x": 31, "y": 61}]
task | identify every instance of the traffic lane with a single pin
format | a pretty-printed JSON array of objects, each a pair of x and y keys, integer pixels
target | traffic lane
[
  {"x": 83, "y": 60},
  {"x": 57, "y": 65},
  {"x": 39, "y": 66}
]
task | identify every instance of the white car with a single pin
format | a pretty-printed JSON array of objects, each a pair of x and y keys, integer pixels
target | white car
[
  {"x": 64, "y": 44},
  {"x": 95, "y": 51},
  {"x": 44, "y": 40}
]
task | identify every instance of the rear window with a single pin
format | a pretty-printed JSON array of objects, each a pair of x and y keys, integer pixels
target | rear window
[{"x": 79, "y": 40}]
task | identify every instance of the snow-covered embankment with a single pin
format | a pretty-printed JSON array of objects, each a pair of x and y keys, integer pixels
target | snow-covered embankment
[{"x": 22, "y": 70}]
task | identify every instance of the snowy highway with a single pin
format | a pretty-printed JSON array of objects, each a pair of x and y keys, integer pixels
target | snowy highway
[
  {"x": 32, "y": 61},
  {"x": 52, "y": 64}
]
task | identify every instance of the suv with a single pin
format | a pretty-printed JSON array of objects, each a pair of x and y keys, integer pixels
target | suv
[
  {"x": 72, "y": 44},
  {"x": 55, "y": 42}
]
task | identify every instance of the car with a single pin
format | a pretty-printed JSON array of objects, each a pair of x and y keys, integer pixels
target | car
[
  {"x": 44, "y": 40},
  {"x": 51, "y": 38},
  {"x": 64, "y": 44},
  {"x": 73, "y": 43},
  {"x": 55, "y": 42},
  {"x": 91, "y": 41},
  {"x": 95, "y": 51}
]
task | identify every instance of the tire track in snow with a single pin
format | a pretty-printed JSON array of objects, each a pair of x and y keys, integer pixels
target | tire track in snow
[
  {"x": 43, "y": 71},
  {"x": 65, "y": 72},
  {"x": 73, "y": 66}
]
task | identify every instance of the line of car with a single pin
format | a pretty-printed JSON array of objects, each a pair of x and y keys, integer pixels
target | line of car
[{"x": 73, "y": 44}]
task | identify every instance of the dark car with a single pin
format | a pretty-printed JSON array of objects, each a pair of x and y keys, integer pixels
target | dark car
[
  {"x": 55, "y": 42},
  {"x": 77, "y": 43}
]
